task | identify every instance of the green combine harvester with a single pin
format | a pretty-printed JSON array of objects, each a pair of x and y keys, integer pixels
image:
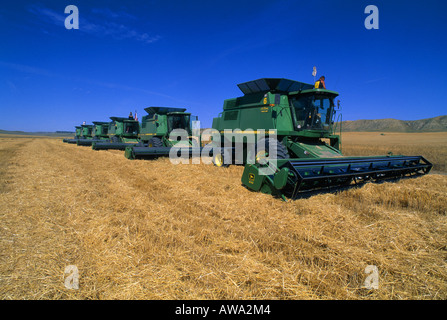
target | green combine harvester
[
  {"x": 121, "y": 132},
  {"x": 86, "y": 133},
  {"x": 155, "y": 131},
  {"x": 297, "y": 121},
  {"x": 77, "y": 136},
  {"x": 100, "y": 130}
]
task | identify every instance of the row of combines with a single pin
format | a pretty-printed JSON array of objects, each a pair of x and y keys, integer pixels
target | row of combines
[
  {"x": 283, "y": 131},
  {"x": 121, "y": 133}
]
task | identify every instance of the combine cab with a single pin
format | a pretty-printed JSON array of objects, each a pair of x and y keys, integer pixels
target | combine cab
[
  {"x": 155, "y": 131},
  {"x": 87, "y": 131},
  {"x": 121, "y": 132},
  {"x": 297, "y": 123}
]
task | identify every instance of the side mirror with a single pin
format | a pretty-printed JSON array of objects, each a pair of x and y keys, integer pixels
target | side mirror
[{"x": 338, "y": 104}]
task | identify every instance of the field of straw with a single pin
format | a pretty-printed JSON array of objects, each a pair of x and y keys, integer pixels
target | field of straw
[{"x": 153, "y": 230}]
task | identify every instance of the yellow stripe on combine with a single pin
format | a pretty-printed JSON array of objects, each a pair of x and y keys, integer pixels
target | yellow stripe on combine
[{"x": 252, "y": 131}]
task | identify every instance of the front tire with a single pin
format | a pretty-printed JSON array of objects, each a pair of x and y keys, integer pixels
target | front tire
[
  {"x": 155, "y": 142},
  {"x": 265, "y": 147},
  {"x": 220, "y": 159}
]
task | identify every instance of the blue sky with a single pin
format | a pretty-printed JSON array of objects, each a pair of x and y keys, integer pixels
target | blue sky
[{"x": 128, "y": 55}]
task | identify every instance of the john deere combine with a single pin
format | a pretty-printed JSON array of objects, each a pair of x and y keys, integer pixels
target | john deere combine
[
  {"x": 77, "y": 136},
  {"x": 297, "y": 121},
  {"x": 121, "y": 132},
  {"x": 99, "y": 133},
  {"x": 155, "y": 131},
  {"x": 86, "y": 133}
]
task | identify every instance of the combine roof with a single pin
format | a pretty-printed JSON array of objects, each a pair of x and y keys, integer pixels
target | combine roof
[
  {"x": 273, "y": 84},
  {"x": 163, "y": 110},
  {"x": 100, "y": 122},
  {"x": 121, "y": 119}
]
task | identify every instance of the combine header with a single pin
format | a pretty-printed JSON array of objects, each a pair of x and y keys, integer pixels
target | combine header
[
  {"x": 297, "y": 177},
  {"x": 297, "y": 121},
  {"x": 155, "y": 130},
  {"x": 121, "y": 132}
]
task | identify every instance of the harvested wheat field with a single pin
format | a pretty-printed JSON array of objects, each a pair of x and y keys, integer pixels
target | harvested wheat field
[{"x": 153, "y": 230}]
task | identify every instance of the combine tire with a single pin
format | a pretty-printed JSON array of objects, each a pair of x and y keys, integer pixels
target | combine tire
[
  {"x": 266, "y": 146},
  {"x": 219, "y": 158},
  {"x": 155, "y": 142}
]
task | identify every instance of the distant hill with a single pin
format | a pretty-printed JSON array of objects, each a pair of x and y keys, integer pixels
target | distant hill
[
  {"x": 49, "y": 134},
  {"x": 392, "y": 125}
]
